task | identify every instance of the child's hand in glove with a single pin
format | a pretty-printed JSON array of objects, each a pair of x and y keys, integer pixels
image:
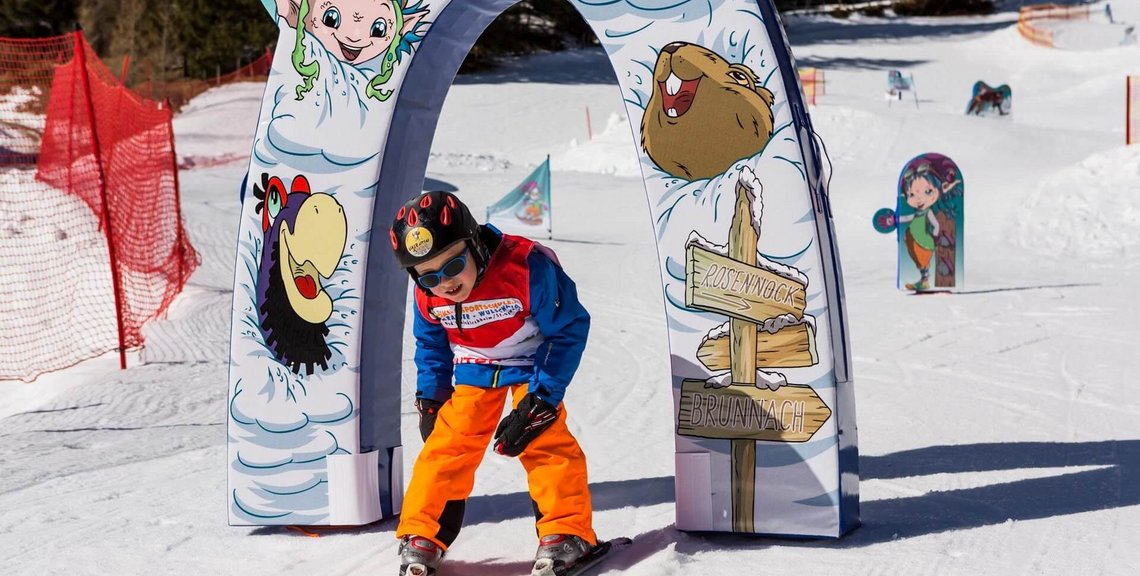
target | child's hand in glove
[
  {"x": 529, "y": 419},
  {"x": 429, "y": 410}
]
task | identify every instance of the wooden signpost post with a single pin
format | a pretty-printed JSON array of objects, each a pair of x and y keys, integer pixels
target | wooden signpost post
[{"x": 751, "y": 295}]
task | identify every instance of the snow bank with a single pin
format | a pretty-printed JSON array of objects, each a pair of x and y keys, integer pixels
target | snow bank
[
  {"x": 1087, "y": 210},
  {"x": 612, "y": 152},
  {"x": 1089, "y": 35}
]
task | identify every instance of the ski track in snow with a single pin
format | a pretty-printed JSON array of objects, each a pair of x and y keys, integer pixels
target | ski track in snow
[{"x": 999, "y": 427}]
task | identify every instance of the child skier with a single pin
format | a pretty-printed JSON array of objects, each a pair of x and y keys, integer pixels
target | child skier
[{"x": 496, "y": 312}]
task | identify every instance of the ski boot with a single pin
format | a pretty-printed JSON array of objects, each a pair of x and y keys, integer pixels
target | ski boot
[
  {"x": 922, "y": 284},
  {"x": 419, "y": 556},
  {"x": 558, "y": 553}
]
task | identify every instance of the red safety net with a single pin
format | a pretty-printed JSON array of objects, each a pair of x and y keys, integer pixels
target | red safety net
[
  {"x": 256, "y": 71},
  {"x": 91, "y": 238}
]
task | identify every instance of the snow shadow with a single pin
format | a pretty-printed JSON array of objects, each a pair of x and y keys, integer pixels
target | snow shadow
[
  {"x": 841, "y": 62},
  {"x": 825, "y": 31},
  {"x": 1116, "y": 485},
  {"x": 1023, "y": 288},
  {"x": 583, "y": 66}
]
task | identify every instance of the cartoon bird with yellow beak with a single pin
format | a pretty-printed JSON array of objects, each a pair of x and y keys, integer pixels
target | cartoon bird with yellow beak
[{"x": 305, "y": 235}]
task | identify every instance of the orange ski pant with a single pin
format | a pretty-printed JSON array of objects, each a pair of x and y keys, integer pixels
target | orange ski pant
[
  {"x": 920, "y": 256},
  {"x": 444, "y": 473}
]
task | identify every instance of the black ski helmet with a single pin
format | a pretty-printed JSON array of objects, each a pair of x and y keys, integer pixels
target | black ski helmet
[{"x": 429, "y": 224}]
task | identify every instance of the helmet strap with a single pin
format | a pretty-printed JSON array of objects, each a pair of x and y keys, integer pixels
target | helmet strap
[
  {"x": 416, "y": 281},
  {"x": 479, "y": 251}
]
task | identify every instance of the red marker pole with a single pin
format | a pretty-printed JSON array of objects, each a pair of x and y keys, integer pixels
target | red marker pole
[{"x": 589, "y": 127}]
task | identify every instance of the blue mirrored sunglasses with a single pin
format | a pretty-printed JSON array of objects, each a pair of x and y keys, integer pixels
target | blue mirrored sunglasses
[{"x": 451, "y": 269}]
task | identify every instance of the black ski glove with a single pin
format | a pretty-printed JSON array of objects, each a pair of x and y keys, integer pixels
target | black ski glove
[
  {"x": 428, "y": 410},
  {"x": 529, "y": 419}
]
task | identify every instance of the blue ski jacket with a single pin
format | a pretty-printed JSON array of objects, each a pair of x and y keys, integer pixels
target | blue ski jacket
[{"x": 522, "y": 323}]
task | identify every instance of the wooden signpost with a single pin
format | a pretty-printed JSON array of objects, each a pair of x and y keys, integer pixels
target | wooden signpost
[
  {"x": 790, "y": 414},
  {"x": 751, "y": 295},
  {"x": 791, "y": 347},
  {"x": 739, "y": 288}
]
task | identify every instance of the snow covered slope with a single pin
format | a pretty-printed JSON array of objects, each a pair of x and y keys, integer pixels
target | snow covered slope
[{"x": 1000, "y": 427}]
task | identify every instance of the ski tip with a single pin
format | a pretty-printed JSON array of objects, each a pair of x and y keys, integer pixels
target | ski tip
[
  {"x": 600, "y": 551},
  {"x": 416, "y": 570},
  {"x": 544, "y": 567}
]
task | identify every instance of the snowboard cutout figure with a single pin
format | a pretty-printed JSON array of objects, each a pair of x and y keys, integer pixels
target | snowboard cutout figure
[
  {"x": 929, "y": 221},
  {"x": 986, "y": 100}
]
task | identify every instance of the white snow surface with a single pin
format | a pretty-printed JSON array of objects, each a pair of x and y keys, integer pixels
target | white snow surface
[{"x": 999, "y": 427}]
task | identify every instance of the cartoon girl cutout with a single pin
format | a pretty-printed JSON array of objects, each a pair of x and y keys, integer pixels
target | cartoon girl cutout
[
  {"x": 356, "y": 32},
  {"x": 533, "y": 208},
  {"x": 923, "y": 188}
]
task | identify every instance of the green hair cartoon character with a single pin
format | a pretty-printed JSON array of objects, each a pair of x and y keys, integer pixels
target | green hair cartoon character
[{"x": 355, "y": 31}]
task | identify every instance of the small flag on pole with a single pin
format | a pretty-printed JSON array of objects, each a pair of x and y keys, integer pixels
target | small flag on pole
[
  {"x": 897, "y": 84},
  {"x": 526, "y": 209}
]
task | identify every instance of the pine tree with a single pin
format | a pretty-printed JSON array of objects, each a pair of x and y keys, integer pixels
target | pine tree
[
  {"x": 217, "y": 36},
  {"x": 168, "y": 39},
  {"x": 97, "y": 18},
  {"x": 527, "y": 27},
  {"x": 37, "y": 18},
  {"x": 943, "y": 7}
]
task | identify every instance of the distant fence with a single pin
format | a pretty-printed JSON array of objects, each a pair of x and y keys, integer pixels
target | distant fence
[
  {"x": 813, "y": 82},
  {"x": 1029, "y": 18},
  {"x": 179, "y": 92},
  {"x": 254, "y": 71}
]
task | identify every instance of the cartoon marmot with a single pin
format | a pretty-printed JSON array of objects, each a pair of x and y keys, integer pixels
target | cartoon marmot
[{"x": 704, "y": 114}]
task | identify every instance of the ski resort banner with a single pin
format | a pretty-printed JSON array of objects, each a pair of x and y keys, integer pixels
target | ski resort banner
[
  {"x": 526, "y": 209},
  {"x": 759, "y": 355}
]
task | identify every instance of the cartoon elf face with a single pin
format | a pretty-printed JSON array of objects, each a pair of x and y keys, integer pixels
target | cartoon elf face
[
  {"x": 354, "y": 30},
  {"x": 921, "y": 194}
]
